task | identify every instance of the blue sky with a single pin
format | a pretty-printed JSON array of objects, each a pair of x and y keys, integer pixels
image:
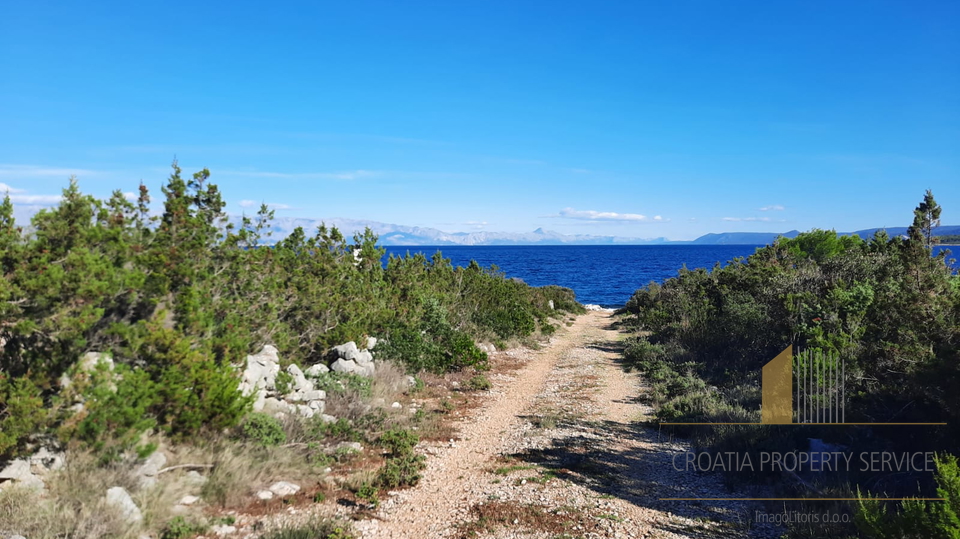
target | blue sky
[{"x": 508, "y": 116}]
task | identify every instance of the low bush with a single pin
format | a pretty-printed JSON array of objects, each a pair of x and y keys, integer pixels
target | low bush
[
  {"x": 316, "y": 529},
  {"x": 401, "y": 471},
  {"x": 262, "y": 429},
  {"x": 478, "y": 383}
]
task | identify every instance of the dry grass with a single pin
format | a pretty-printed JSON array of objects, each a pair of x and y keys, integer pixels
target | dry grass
[
  {"x": 389, "y": 382},
  {"x": 23, "y": 512},
  {"x": 74, "y": 505},
  {"x": 240, "y": 470}
]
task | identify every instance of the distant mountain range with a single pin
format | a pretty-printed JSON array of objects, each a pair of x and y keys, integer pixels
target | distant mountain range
[
  {"x": 401, "y": 235},
  {"x": 763, "y": 238}
]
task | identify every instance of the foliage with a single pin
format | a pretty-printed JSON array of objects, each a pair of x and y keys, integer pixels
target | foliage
[
  {"x": 478, "y": 382},
  {"x": 21, "y": 412},
  {"x": 916, "y": 518},
  {"x": 399, "y": 441},
  {"x": 887, "y": 306},
  {"x": 179, "y": 298},
  {"x": 317, "y": 529},
  {"x": 181, "y": 528},
  {"x": 263, "y": 429}
]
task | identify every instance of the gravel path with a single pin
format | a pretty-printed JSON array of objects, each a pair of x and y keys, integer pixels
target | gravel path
[{"x": 556, "y": 451}]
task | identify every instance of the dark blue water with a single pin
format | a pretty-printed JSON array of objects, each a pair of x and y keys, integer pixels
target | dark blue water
[{"x": 605, "y": 275}]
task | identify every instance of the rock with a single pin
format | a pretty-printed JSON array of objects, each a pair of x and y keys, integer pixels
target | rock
[
  {"x": 265, "y": 495},
  {"x": 396, "y": 406},
  {"x": 273, "y": 406},
  {"x": 346, "y": 365},
  {"x": 354, "y": 447},
  {"x": 300, "y": 382},
  {"x": 367, "y": 369},
  {"x": 223, "y": 529},
  {"x": 316, "y": 370},
  {"x": 154, "y": 463},
  {"x": 188, "y": 500},
  {"x": 284, "y": 488},
  {"x": 89, "y": 361},
  {"x": 261, "y": 371},
  {"x": 195, "y": 478},
  {"x": 364, "y": 357},
  {"x": 314, "y": 395},
  {"x": 347, "y": 351},
  {"x": 371, "y": 343},
  {"x": 317, "y": 406},
  {"x": 550, "y": 304},
  {"x": 305, "y": 410},
  {"x": 18, "y": 470},
  {"x": 411, "y": 381},
  {"x": 260, "y": 400},
  {"x": 32, "y": 482},
  {"x": 119, "y": 498},
  {"x": 328, "y": 418}
]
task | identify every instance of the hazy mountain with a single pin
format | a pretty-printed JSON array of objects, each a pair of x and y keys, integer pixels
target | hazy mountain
[
  {"x": 400, "y": 235},
  {"x": 763, "y": 238}
]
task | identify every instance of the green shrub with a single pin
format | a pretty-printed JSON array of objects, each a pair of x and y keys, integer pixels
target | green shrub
[
  {"x": 916, "y": 519},
  {"x": 478, "y": 383},
  {"x": 401, "y": 471},
  {"x": 284, "y": 382},
  {"x": 262, "y": 429},
  {"x": 21, "y": 413},
  {"x": 338, "y": 382},
  {"x": 181, "y": 528},
  {"x": 369, "y": 493},
  {"x": 316, "y": 529},
  {"x": 399, "y": 441},
  {"x": 117, "y": 406}
]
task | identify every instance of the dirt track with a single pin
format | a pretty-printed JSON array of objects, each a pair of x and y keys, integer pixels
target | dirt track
[{"x": 556, "y": 450}]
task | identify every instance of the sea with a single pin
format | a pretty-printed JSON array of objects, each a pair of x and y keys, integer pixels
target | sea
[{"x": 605, "y": 275}]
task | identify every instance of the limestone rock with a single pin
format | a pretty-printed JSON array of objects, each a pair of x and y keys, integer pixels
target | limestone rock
[
  {"x": 265, "y": 495},
  {"x": 17, "y": 470},
  {"x": 371, "y": 343},
  {"x": 347, "y": 351},
  {"x": 284, "y": 488},
  {"x": 346, "y": 365},
  {"x": 353, "y": 447},
  {"x": 118, "y": 497},
  {"x": 195, "y": 478},
  {"x": 364, "y": 357},
  {"x": 154, "y": 463},
  {"x": 223, "y": 529},
  {"x": 188, "y": 500},
  {"x": 316, "y": 370},
  {"x": 44, "y": 461}
]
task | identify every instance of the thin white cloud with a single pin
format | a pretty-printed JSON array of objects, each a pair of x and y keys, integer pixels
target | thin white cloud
[
  {"x": 773, "y": 207},
  {"x": 746, "y": 219},
  {"x": 476, "y": 224},
  {"x": 590, "y": 215},
  {"x": 271, "y": 205},
  {"x": 129, "y": 195},
  {"x": 42, "y": 200},
  {"x": 345, "y": 175},
  {"x": 4, "y": 188},
  {"x": 33, "y": 171}
]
